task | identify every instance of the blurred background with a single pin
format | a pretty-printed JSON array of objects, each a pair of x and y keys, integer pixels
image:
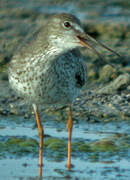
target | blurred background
[
  {"x": 101, "y": 134},
  {"x": 105, "y": 20}
]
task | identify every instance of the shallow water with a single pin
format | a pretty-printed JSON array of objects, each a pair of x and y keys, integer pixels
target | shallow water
[
  {"x": 100, "y": 165},
  {"x": 14, "y": 169},
  {"x": 26, "y": 166}
]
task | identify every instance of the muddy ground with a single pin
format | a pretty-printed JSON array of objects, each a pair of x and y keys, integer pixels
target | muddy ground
[{"x": 101, "y": 113}]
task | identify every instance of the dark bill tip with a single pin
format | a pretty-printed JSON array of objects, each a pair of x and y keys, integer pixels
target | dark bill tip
[{"x": 86, "y": 41}]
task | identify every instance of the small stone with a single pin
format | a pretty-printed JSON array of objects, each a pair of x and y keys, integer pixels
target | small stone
[
  {"x": 120, "y": 83},
  {"x": 107, "y": 73}
]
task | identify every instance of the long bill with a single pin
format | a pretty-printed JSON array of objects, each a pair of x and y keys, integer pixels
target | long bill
[{"x": 86, "y": 41}]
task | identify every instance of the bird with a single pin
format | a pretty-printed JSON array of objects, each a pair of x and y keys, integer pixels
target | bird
[{"x": 51, "y": 70}]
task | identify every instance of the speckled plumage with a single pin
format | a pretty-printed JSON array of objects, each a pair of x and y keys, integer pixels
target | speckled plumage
[{"x": 50, "y": 69}]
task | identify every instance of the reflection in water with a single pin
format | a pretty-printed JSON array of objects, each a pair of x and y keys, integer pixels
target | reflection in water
[
  {"x": 14, "y": 169},
  {"x": 40, "y": 172},
  {"x": 86, "y": 167}
]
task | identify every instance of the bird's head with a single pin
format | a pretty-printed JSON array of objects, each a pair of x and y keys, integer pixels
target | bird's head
[{"x": 65, "y": 31}]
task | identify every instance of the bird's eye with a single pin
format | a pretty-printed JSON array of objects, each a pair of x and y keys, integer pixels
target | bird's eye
[{"x": 67, "y": 24}]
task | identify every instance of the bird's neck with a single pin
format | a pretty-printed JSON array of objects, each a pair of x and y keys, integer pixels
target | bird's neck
[
  {"x": 53, "y": 52},
  {"x": 51, "y": 45}
]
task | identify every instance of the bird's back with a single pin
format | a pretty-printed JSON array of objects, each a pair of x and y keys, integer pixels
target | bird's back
[
  {"x": 50, "y": 68},
  {"x": 48, "y": 80}
]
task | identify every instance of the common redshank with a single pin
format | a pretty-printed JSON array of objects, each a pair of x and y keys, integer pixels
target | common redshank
[{"x": 51, "y": 70}]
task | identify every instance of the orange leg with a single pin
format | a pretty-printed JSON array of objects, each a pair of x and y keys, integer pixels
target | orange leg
[
  {"x": 69, "y": 128},
  {"x": 41, "y": 134}
]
